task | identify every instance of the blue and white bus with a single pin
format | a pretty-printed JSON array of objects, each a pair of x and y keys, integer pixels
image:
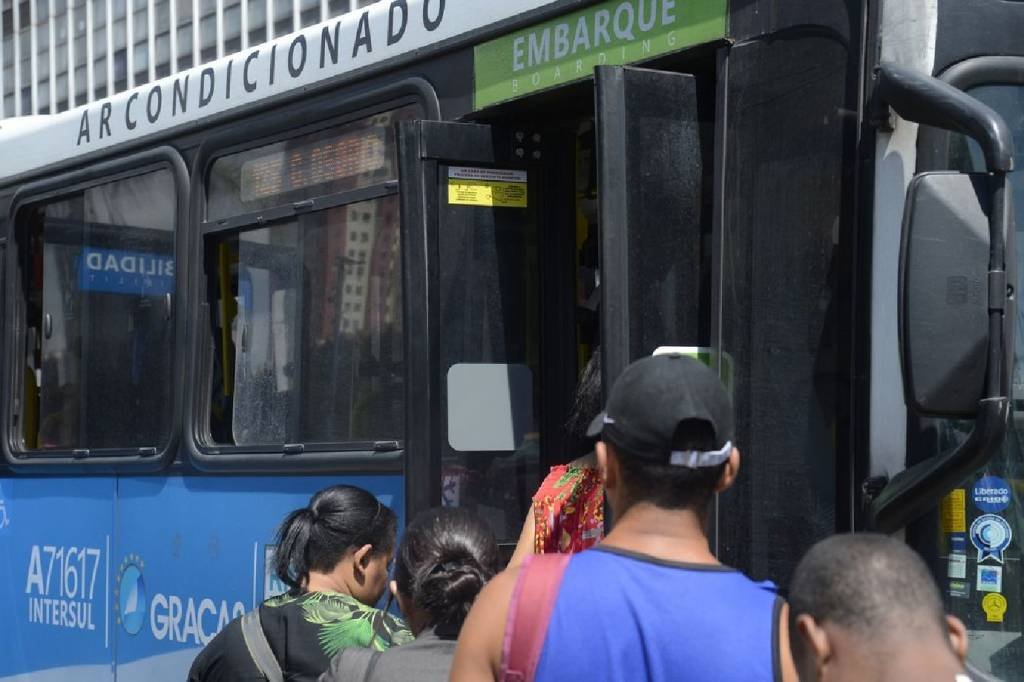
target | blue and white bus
[{"x": 379, "y": 250}]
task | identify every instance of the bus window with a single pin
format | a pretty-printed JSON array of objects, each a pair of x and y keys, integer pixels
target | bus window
[
  {"x": 313, "y": 334},
  {"x": 98, "y": 282},
  {"x": 306, "y": 309},
  {"x": 994, "y": 493}
]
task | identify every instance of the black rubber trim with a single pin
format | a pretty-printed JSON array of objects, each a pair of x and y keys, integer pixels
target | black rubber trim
[{"x": 648, "y": 559}]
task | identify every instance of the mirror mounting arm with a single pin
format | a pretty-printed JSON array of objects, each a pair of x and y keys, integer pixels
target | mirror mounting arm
[{"x": 921, "y": 98}]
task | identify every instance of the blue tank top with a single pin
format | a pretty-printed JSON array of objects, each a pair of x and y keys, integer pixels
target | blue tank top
[{"x": 626, "y": 616}]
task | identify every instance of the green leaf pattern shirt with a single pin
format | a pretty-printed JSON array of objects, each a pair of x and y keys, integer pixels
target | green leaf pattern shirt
[{"x": 304, "y": 632}]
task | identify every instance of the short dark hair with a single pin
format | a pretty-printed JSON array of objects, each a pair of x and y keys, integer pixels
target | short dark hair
[
  {"x": 669, "y": 486},
  {"x": 445, "y": 558},
  {"x": 868, "y": 583},
  {"x": 317, "y": 536}
]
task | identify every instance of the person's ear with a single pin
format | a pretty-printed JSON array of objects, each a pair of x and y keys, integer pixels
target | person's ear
[
  {"x": 361, "y": 558},
  {"x": 607, "y": 464},
  {"x": 815, "y": 641},
  {"x": 957, "y": 637},
  {"x": 393, "y": 586},
  {"x": 729, "y": 472}
]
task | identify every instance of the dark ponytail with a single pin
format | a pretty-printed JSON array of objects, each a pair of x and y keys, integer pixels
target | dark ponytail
[
  {"x": 445, "y": 558},
  {"x": 316, "y": 537}
]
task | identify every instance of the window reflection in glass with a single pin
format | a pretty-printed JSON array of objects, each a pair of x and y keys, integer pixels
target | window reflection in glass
[
  {"x": 311, "y": 349},
  {"x": 99, "y": 284}
]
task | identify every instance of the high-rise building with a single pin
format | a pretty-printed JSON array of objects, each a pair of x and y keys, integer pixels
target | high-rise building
[{"x": 59, "y": 54}]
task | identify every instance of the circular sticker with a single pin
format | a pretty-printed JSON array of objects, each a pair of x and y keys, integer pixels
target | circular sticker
[
  {"x": 994, "y": 606},
  {"x": 990, "y": 535},
  {"x": 991, "y": 494}
]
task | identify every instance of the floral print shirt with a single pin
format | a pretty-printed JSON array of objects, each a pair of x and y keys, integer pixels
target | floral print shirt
[
  {"x": 304, "y": 632},
  {"x": 568, "y": 510}
]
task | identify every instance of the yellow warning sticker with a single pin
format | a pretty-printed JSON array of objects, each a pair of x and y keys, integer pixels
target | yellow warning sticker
[
  {"x": 994, "y": 605},
  {"x": 954, "y": 513},
  {"x": 486, "y": 187}
]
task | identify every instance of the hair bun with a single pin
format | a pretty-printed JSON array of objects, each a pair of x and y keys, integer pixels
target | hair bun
[{"x": 464, "y": 583}]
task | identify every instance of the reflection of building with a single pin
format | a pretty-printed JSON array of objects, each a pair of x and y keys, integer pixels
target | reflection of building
[
  {"x": 59, "y": 54},
  {"x": 361, "y": 223}
]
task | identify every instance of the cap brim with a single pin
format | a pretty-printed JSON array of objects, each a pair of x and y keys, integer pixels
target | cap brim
[{"x": 596, "y": 426}]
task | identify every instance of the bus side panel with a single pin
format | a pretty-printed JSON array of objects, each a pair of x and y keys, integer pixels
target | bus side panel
[
  {"x": 192, "y": 553},
  {"x": 55, "y": 589}
]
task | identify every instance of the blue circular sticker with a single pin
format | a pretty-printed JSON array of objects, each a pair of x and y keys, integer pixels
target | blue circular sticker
[
  {"x": 990, "y": 535},
  {"x": 991, "y": 494}
]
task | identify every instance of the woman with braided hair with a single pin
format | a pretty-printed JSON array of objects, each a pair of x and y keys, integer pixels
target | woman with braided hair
[
  {"x": 445, "y": 558},
  {"x": 333, "y": 554}
]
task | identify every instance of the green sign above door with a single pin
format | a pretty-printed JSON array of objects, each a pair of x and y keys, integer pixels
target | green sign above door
[{"x": 567, "y": 49}]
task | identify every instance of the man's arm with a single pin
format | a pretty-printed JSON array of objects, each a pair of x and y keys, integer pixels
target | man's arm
[{"x": 478, "y": 652}]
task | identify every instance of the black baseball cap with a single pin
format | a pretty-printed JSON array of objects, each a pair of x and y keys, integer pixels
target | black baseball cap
[{"x": 652, "y": 397}]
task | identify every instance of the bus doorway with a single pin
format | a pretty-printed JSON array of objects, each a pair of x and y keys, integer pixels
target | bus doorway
[{"x": 541, "y": 231}]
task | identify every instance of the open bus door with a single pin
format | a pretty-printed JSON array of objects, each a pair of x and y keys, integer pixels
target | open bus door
[
  {"x": 489, "y": 270},
  {"x": 490, "y": 213},
  {"x": 654, "y": 290},
  {"x": 655, "y": 279}
]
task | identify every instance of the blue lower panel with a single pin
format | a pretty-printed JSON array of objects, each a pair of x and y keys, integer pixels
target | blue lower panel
[
  {"x": 150, "y": 567},
  {"x": 54, "y": 580}
]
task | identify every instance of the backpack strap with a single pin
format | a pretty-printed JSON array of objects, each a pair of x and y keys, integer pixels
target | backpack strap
[
  {"x": 533, "y": 601},
  {"x": 259, "y": 648}
]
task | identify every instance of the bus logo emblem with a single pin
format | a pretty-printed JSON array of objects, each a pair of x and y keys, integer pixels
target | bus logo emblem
[{"x": 130, "y": 595}]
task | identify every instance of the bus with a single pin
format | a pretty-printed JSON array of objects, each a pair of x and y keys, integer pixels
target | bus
[{"x": 379, "y": 251}]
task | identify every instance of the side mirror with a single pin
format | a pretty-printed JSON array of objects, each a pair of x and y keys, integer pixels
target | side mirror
[{"x": 944, "y": 293}]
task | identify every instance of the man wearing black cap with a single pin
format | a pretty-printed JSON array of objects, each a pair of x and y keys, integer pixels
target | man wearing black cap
[{"x": 651, "y": 601}]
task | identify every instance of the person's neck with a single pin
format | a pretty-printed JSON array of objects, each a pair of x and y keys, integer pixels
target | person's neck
[
  {"x": 896, "y": 658},
  {"x": 919, "y": 662},
  {"x": 326, "y": 582},
  {"x": 669, "y": 534}
]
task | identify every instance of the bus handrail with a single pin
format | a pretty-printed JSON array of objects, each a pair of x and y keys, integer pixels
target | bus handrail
[{"x": 924, "y": 99}]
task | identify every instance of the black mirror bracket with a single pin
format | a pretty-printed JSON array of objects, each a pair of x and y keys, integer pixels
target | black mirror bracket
[{"x": 924, "y": 99}]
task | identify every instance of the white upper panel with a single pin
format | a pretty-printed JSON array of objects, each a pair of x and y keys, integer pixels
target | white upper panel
[{"x": 342, "y": 45}]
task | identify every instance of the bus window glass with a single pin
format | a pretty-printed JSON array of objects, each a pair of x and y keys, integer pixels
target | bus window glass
[
  {"x": 998, "y": 489},
  {"x": 352, "y": 156},
  {"x": 98, "y": 281},
  {"x": 312, "y": 332},
  {"x": 490, "y": 319}
]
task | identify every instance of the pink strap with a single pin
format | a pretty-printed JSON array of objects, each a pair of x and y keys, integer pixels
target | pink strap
[{"x": 526, "y": 628}]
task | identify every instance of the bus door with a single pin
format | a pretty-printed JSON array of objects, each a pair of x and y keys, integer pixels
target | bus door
[
  {"x": 507, "y": 283},
  {"x": 654, "y": 290},
  {"x": 488, "y": 269},
  {"x": 655, "y": 273}
]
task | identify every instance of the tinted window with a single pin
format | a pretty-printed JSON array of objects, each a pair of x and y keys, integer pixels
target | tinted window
[
  {"x": 356, "y": 155},
  {"x": 313, "y": 340},
  {"x": 98, "y": 281},
  {"x": 489, "y": 308},
  {"x": 306, "y": 312}
]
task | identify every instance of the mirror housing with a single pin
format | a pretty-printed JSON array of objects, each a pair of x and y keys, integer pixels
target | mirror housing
[{"x": 943, "y": 318}]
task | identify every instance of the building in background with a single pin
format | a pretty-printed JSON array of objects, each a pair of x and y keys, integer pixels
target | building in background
[{"x": 59, "y": 54}]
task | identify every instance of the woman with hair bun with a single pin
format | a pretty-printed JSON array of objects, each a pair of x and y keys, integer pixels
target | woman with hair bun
[
  {"x": 333, "y": 554},
  {"x": 445, "y": 558}
]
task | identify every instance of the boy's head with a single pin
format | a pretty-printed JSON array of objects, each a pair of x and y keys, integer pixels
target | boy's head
[
  {"x": 861, "y": 599},
  {"x": 666, "y": 436}
]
